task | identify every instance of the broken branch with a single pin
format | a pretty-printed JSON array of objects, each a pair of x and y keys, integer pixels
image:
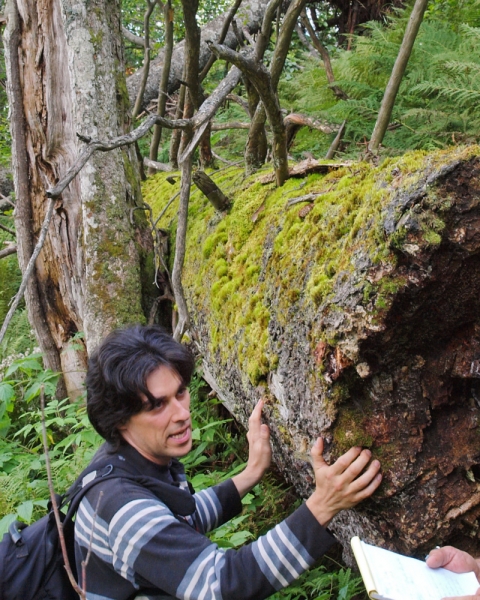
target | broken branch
[{"x": 8, "y": 250}]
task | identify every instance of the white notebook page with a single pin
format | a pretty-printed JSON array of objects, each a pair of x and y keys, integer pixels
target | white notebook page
[{"x": 400, "y": 577}]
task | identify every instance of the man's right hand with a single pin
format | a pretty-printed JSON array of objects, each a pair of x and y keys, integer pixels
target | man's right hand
[
  {"x": 343, "y": 484},
  {"x": 457, "y": 561}
]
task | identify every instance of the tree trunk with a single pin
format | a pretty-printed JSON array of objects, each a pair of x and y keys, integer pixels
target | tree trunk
[
  {"x": 255, "y": 141},
  {"x": 358, "y": 320},
  {"x": 388, "y": 101},
  {"x": 89, "y": 273},
  {"x": 168, "y": 16}
]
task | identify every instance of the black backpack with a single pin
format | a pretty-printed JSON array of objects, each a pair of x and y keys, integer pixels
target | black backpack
[{"x": 31, "y": 560}]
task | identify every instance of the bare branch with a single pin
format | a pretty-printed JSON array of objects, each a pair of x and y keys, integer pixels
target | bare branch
[
  {"x": 29, "y": 269},
  {"x": 53, "y": 499},
  {"x": 224, "y": 160},
  {"x": 303, "y": 120},
  {"x": 260, "y": 78},
  {"x": 192, "y": 51},
  {"x": 339, "y": 93},
  {"x": 393, "y": 85},
  {"x": 303, "y": 39},
  {"x": 183, "y": 317},
  {"x": 10, "y": 231},
  {"x": 90, "y": 543},
  {"x": 263, "y": 37},
  {"x": 123, "y": 140},
  {"x": 231, "y": 125},
  {"x": 156, "y": 166},
  {"x": 174, "y": 197},
  {"x": 307, "y": 198},
  {"x": 283, "y": 43},
  {"x": 247, "y": 36},
  {"x": 211, "y": 191},
  {"x": 238, "y": 34},
  {"x": 336, "y": 142},
  {"x": 6, "y": 204},
  {"x": 221, "y": 38},
  {"x": 11, "y": 249},
  {"x": 136, "y": 40},
  {"x": 239, "y": 100},
  {"x": 163, "y": 88},
  {"x": 146, "y": 60},
  {"x": 210, "y": 107}
]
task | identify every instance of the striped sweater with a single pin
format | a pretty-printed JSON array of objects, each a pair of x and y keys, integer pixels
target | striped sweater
[{"x": 140, "y": 549}]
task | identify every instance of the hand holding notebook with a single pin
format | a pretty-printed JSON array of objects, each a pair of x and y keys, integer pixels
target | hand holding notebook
[{"x": 391, "y": 576}]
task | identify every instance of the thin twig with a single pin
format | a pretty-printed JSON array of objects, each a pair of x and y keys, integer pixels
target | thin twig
[
  {"x": 221, "y": 159},
  {"x": 29, "y": 269},
  {"x": 306, "y": 198},
  {"x": 336, "y": 142},
  {"x": 231, "y": 125},
  {"x": 156, "y": 246},
  {"x": 221, "y": 38},
  {"x": 10, "y": 231},
  {"x": 90, "y": 544},
  {"x": 53, "y": 499},
  {"x": 146, "y": 58},
  {"x": 166, "y": 208},
  {"x": 123, "y": 140},
  {"x": 180, "y": 243}
]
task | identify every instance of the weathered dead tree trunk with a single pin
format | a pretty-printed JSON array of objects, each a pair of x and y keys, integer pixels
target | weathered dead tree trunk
[
  {"x": 358, "y": 320},
  {"x": 250, "y": 14},
  {"x": 65, "y": 77}
]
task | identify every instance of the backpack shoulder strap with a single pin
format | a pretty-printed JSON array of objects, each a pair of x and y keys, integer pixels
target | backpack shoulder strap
[{"x": 178, "y": 500}]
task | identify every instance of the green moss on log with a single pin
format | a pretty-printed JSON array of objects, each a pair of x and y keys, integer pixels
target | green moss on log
[{"x": 265, "y": 259}]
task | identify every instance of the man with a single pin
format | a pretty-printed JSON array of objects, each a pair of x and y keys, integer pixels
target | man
[{"x": 143, "y": 546}]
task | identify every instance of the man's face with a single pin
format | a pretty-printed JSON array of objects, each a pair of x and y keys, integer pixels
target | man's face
[{"x": 164, "y": 432}]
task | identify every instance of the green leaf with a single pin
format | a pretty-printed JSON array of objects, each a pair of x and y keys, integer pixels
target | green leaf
[
  {"x": 5, "y": 423},
  {"x": 239, "y": 538},
  {"x": 7, "y": 393},
  {"x": 32, "y": 392},
  {"x": 25, "y": 511},
  {"x": 5, "y": 523},
  {"x": 30, "y": 364}
]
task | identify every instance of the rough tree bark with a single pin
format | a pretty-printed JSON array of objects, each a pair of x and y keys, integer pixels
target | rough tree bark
[
  {"x": 65, "y": 76},
  {"x": 358, "y": 320}
]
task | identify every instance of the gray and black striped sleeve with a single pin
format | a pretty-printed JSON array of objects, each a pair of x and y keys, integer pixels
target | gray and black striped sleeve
[{"x": 151, "y": 545}]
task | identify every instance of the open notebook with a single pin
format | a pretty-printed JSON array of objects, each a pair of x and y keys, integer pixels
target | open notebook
[{"x": 391, "y": 576}]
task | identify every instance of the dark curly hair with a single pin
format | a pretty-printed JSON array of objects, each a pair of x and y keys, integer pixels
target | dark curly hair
[{"x": 118, "y": 370}]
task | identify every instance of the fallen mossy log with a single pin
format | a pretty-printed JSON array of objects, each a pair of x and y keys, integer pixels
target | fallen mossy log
[{"x": 358, "y": 321}]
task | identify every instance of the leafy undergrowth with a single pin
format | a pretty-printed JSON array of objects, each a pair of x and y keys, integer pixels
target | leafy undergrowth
[{"x": 220, "y": 451}]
